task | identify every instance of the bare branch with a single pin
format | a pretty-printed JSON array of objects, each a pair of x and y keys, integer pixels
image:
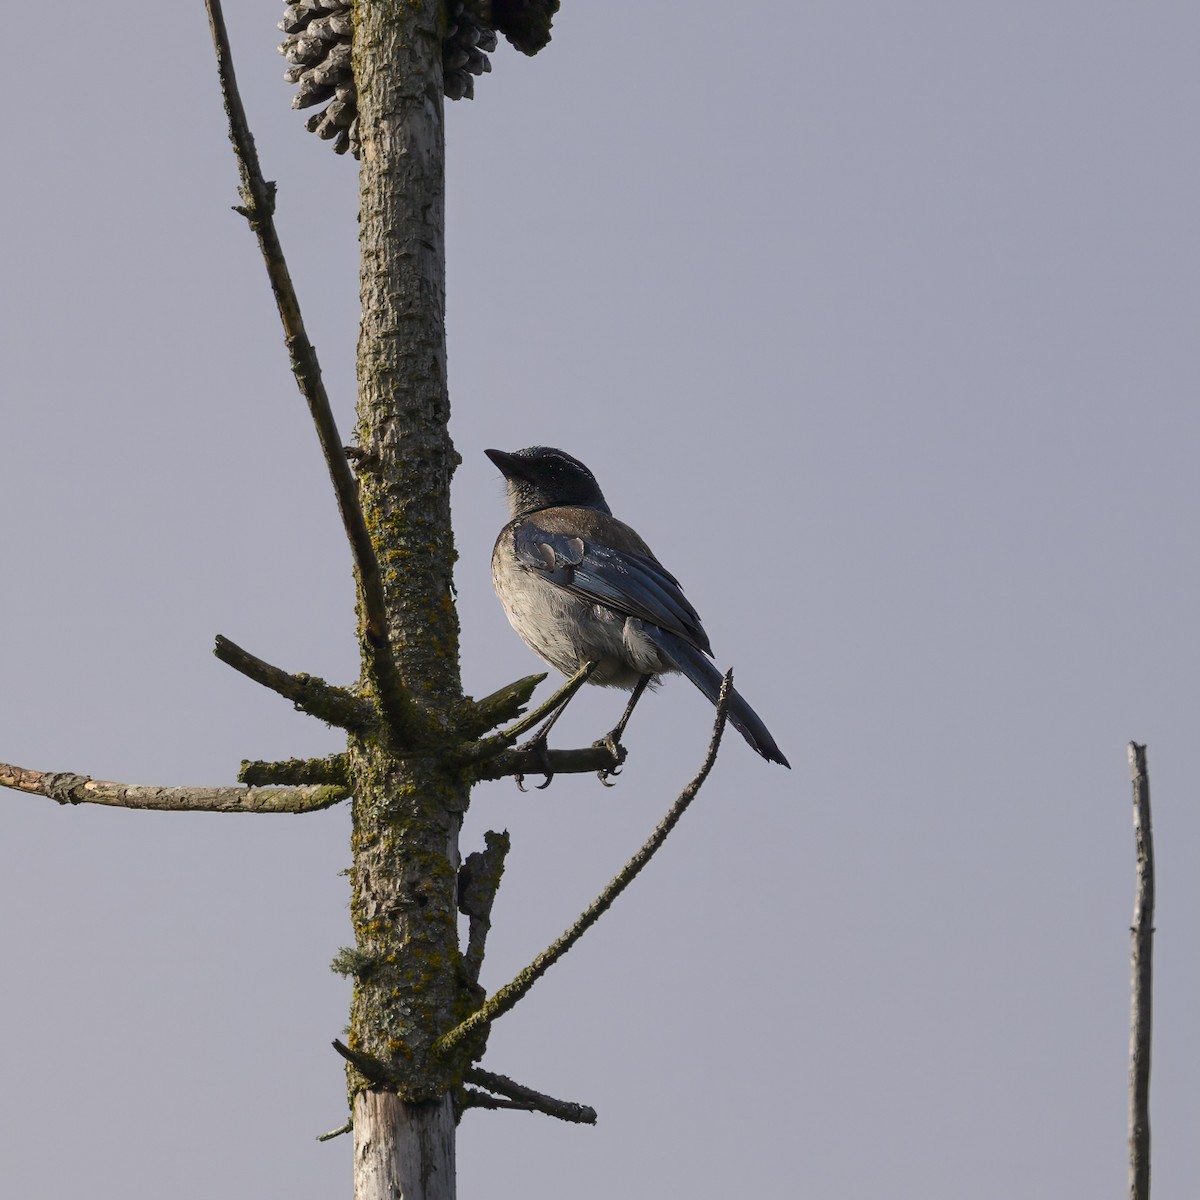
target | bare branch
[
  {"x": 68, "y": 788},
  {"x": 332, "y": 769},
  {"x": 1142, "y": 971},
  {"x": 530, "y": 761},
  {"x": 334, "y": 1133},
  {"x": 258, "y": 207},
  {"x": 478, "y": 883},
  {"x": 511, "y": 993},
  {"x": 520, "y": 1096},
  {"x": 505, "y": 704},
  {"x": 368, "y": 1066},
  {"x": 308, "y": 693},
  {"x": 473, "y": 1098}
]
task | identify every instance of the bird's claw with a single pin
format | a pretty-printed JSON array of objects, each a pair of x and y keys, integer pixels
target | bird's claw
[
  {"x": 538, "y": 746},
  {"x": 609, "y": 742}
]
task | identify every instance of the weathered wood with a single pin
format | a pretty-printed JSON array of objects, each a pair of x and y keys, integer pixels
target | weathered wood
[
  {"x": 1143, "y": 976},
  {"x": 66, "y": 787},
  {"x": 402, "y": 1151}
]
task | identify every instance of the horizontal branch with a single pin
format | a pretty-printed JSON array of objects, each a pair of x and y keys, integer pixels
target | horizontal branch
[
  {"x": 311, "y": 695},
  {"x": 68, "y": 788},
  {"x": 507, "y": 997},
  {"x": 333, "y": 769},
  {"x": 532, "y": 760},
  {"x": 520, "y": 1096},
  {"x": 473, "y": 1098}
]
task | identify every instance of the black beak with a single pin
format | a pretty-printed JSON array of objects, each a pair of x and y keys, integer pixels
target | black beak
[{"x": 509, "y": 464}]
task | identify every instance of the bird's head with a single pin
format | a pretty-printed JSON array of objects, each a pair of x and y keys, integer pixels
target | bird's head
[{"x": 542, "y": 477}]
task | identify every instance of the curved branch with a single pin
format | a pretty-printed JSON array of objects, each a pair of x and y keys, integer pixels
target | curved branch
[
  {"x": 258, "y": 207},
  {"x": 309, "y": 694},
  {"x": 65, "y": 787},
  {"x": 507, "y": 997}
]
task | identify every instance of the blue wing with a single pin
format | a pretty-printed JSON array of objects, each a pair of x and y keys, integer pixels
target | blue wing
[
  {"x": 626, "y": 580},
  {"x": 601, "y": 560}
]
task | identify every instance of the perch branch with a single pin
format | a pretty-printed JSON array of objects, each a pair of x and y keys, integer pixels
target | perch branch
[
  {"x": 258, "y": 207},
  {"x": 529, "y": 760},
  {"x": 308, "y": 693},
  {"x": 69, "y": 788},
  {"x": 1140, "y": 1007},
  {"x": 507, "y": 997},
  {"x": 518, "y": 1094},
  {"x": 333, "y": 769},
  {"x": 334, "y": 1133}
]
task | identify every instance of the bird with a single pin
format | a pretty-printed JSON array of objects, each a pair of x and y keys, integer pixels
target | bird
[{"x": 578, "y": 585}]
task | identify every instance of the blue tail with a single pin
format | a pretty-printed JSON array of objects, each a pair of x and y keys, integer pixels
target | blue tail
[{"x": 701, "y": 670}]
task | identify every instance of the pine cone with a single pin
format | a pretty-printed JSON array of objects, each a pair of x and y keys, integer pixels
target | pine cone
[
  {"x": 526, "y": 23},
  {"x": 318, "y": 49},
  {"x": 465, "y": 50},
  {"x": 318, "y": 44}
]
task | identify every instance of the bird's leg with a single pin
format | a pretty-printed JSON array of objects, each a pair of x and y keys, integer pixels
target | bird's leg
[
  {"x": 558, "y": 702},
  {"x": 612, "y": 740},
  {"x": 538, "y": 743}
]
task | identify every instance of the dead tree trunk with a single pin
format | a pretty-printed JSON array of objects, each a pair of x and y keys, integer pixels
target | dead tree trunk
[{"x": 407, "y": 806}]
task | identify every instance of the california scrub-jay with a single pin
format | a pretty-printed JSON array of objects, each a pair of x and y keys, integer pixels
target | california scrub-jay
[{"x": 578, "y": 585}]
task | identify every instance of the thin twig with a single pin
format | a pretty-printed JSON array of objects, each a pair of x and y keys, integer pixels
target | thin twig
[
  {"x": 1142, "y": 971},
  {"x": 564, "y": 1110},
  {"x": 333, "y": 1133},
  {"x": 309, "y": 694},
  {"x": 508, "y": 996},
  {"x": 258, "y": 207},
  {"x": 68, "y": 788}
]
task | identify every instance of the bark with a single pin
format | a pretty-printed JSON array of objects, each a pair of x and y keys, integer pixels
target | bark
[{"x": 408, "y": 803}]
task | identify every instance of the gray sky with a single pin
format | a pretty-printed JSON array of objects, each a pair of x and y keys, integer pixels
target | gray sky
[{"x": 879, "y": 322}]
